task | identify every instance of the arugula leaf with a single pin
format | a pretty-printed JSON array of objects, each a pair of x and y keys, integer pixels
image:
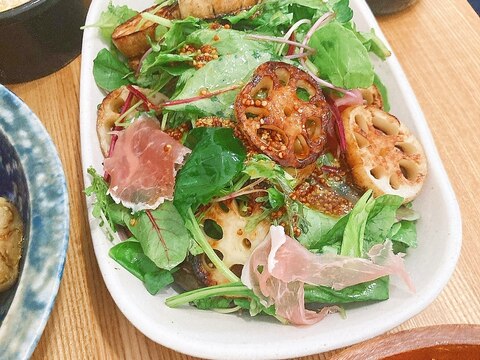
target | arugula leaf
[
  {"x": 276, "y": 199},
  {"x": 111, "y": 18},
  {"x": 216, "y": 159},
  {"x": 180, "y": 29},
  {"x": 155, "y": 62},
  {"x": 130, "y": 255},
  {"x": 261, "y": 166},
  {"x": 368, "y": 291},
  {"x": 163, "y": 235},
  {"x": 340, "y": 57},
  {"x": 109, "y": 72},
  {"x": 104, "y": 207}
]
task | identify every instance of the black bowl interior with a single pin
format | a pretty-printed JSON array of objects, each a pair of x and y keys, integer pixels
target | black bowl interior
[{"x": 13, "y": 186}]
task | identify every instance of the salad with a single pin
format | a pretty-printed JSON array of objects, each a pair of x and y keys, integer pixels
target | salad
[{"x": 250, "y": 158}]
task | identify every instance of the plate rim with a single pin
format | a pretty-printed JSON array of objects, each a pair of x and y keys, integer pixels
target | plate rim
[
  {"x": 26, "y": 334},
  {"x": 232, "y": 351}
]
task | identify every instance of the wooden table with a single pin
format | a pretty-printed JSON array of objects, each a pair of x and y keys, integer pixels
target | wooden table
[{"x": 438, "y": 44}]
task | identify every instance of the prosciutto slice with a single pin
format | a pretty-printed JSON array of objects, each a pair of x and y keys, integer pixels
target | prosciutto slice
[
  {"x": 279, "y": 267},
  {"x": 143, "y": 166}
]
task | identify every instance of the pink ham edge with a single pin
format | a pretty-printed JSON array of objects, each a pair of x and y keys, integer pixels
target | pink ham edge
[
  {"x": 287, "y": 265},
  {"x": 143, "y": 166}
]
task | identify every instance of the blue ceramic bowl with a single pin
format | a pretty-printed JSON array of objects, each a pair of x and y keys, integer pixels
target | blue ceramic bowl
[{"x": 31, "y": 176}]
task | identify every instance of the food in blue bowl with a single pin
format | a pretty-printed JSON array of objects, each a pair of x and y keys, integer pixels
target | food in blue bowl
[{"x": 32, "y": 181}]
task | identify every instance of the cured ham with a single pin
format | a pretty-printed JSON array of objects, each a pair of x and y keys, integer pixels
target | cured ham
[
  {"x": 143, "y": 166},
  {"x": 280, "y": 266}
]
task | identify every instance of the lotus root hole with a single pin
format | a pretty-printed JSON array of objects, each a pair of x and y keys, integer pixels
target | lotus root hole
[
  {"x": 246, "y": 243},
  {"x": 395, "y": 182},
  {"x": 283, "y": 76},
  {"x": 272, "y": 136},
  {"x": 262, "y": 89},
  {"x": 300, "y": 148},
  {"x": 361, "y": 122},
  {"x": 237, "y": 269},
  {"x": 314, "y": 129},
  {"x": 305, "y": 91},
  {"x": 385, "y": 126},
  {"x": 378, "y": 172},
  {"x": 409, "y": 169},
  {"x": 288, "y": 110},
  {"x": 212, "y": 229},
  {"x": 207, "y": 261},
  {"x": 406, "y": 148},
  {"x": 116, "y": 105},
  {"x": 361, "y": 140},
  {"x": 253, "y": 112},
  {"x": 367, "y": 96}
]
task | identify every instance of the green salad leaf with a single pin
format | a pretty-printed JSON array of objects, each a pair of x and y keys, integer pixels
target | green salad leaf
[
  {"x": 130, "y": 255},
  {"x": 340, "y": 57},
  {"x": 162, "y": 235},
  {"x": 218, "y": 74},
  {"x": 368, "y": 291},
  {"x": 109, "y": 72},
  {"x": 111, "y": 18},
  {"x": 216, "y": 159},
  {"x": 227, "y": 41}
]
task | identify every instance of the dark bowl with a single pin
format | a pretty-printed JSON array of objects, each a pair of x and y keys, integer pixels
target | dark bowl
[{"x": 39, "y": 37}]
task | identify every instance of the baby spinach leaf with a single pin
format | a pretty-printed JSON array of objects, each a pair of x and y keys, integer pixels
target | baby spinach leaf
[
  {"x": 215, "y": 302},
  {"x": 109, "y": 72},
  {"x": 368, "y": 291},
  {"x": 216, "y": 159},
  {"x": 130, "y": 255},
  {"x": 162, "y": 235},
  {"x": 340, "y": 57}
]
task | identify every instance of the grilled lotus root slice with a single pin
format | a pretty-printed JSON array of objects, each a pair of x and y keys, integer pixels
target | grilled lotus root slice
[
  {"x": 109, "y": 112},
  {"x": 382, "y": 152},
  {"x": 131, "y": 37},
  {"x": 283, "y": 112},
  {"x": 235, "y": 245},
  {"x": 210, "y": 9},
  {"x": 372, "y": 96}
]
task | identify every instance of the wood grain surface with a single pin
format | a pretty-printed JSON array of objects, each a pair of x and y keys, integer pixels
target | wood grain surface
[{"x": 438, "y": 44}]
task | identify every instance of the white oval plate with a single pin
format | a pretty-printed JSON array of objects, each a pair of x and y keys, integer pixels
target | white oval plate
[{"x": 211, "y": 335}]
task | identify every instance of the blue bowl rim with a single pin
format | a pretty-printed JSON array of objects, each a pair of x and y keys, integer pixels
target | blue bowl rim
[{"x": 19, "y": 335}]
